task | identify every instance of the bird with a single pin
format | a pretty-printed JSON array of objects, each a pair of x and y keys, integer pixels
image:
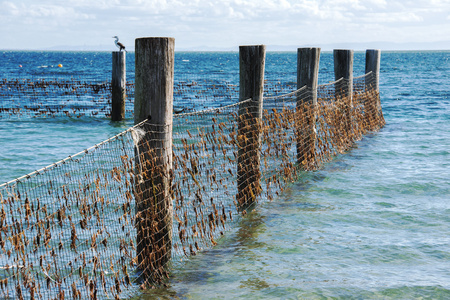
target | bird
[{"x": 119, "y": 44}]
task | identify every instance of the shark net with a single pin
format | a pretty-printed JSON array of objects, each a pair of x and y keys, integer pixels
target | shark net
[{"x": 113, "y": 219}]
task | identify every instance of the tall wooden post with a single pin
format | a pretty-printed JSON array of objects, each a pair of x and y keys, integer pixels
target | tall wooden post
[
  {"x": 307, "y": 75},
  {"x": 373, "y": 65},
  {"x": 251, "y": 86},
  {"x": 118, "y": 85},
  {"x": 154, "y": 101},
  {"x": 343, "y": 68}
]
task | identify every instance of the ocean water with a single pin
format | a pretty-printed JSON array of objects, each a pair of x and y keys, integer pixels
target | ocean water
[{"x": 374, "y": 223}]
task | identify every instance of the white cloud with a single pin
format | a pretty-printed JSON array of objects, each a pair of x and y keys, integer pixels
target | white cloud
[
  {"x": 378, "y": 3},
  {"x": 9, "y": 9},
  {"x": 393, "y": 17},
  {"x": 220, "y": 22},
  {"x": 36, "y": 12}
]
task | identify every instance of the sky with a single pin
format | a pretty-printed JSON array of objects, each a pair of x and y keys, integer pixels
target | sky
[{"x": 225, "y": 24}]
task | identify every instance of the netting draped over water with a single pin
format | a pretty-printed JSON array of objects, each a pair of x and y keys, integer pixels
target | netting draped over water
[
  {"x": 52, "y": 97},
  {"x": 112, "y": 219},
  {"x": 47, "y": 97}
]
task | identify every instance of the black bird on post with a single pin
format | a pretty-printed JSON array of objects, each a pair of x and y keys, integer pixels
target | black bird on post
[{"x": 119, "y": 44}]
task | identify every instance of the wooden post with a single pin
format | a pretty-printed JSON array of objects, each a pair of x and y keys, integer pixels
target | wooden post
[
  {"x": 154, "y": 101},
  {"x": 343, "y": 68},
  {"x": 373, "y": 64},
  {"x": 251, "y": 86},
  {"x": 118, "y": 85},
  {"x": 307, "y": 74}
]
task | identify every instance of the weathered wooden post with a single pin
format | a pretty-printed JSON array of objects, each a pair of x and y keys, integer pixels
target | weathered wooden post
[
  {"x": 154, "y": 102},
  {"x": 251, "y": 86},
  {"x": 373, "y": 82},
  {"x": 307, "y": 75},
  {"x": 118, "y": 86},
  {"x": 343, "y": 68},
  {"x": 373, "y": 65}
]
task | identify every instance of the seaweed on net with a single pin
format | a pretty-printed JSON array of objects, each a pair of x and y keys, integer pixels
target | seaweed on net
[{"x": 114, "y": 218}]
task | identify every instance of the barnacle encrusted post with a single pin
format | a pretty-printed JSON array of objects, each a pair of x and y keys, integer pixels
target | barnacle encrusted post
[
  {"x": 154, "y": 103},
  {"x": 305, "y": 119},
  {"x": 251, "y": 86}
]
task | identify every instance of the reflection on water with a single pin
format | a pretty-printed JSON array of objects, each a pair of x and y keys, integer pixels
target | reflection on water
[{"x": 208, "y": 266}]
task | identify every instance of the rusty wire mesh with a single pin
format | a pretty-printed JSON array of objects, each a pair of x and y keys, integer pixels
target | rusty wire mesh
[{"x": 112, "y": 219}]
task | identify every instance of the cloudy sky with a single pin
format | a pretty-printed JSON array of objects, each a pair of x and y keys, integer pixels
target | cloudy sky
[{"x": 222, "y": 24}]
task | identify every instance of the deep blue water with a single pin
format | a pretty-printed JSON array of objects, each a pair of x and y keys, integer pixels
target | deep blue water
[{"x": 374, "y": 223}]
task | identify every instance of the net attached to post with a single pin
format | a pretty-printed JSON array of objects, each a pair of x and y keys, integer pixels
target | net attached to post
[
  {"x": 83, "y": 97},
  {"x": 67, "y": 230},
  {"x": 52, "y": 97},
  {"x": 114, "y": 218},
  {"x": 204, "y": 185},
  {"x": 287, "y": 133}
]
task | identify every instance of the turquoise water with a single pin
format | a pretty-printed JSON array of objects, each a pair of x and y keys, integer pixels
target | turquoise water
[{"x": 373, "y": 224}]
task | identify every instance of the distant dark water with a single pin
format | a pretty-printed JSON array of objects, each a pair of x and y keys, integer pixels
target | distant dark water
[{"x": 374, "y": 223}]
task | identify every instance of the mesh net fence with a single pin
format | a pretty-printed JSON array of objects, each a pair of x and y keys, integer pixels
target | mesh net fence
[
  {"x": 67, "y": 229},
  {"x": 80, "y": 97},
  {"x": 112, "y": 219},
  {"x": 45, "y": 97}
]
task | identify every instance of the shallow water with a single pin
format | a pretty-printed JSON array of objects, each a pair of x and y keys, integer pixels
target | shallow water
[
  {"x": 364, "y": 227},
  {"x": 374, "y": 223}
]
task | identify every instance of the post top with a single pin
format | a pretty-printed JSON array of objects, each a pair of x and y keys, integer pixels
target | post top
[
  {"x": 148, "y": 38},
  {"x": 300, "y": 48},
  {"x": 252, "y": 46}
]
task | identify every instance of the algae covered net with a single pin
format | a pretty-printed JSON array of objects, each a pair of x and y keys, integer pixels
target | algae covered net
[
  {"x": 80, "y": 97},
  {"x": 66, "y": 230},
  {"x": 49, "y": 97},
  {"x": 112, "y": 219}
]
